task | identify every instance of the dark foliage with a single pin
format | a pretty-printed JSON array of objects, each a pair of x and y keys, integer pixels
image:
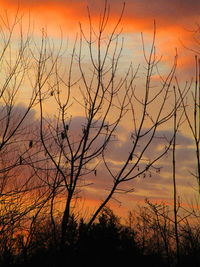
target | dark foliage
[{"x": 106, "y": 242}]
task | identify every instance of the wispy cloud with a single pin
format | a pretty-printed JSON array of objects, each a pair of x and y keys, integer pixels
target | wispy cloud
[
  {"x": 174, "y": 19},
  {"x": 166, "y": 12}
]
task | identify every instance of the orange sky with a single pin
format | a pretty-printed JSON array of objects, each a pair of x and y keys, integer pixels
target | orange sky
[
  {"x": 138, "y": 15},
  {"x": 175, "y": 21}
]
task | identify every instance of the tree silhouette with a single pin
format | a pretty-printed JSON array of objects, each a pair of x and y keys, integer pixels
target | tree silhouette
[
  {"x": 193, "y": 120},
  {"x": 48, "y": 163},
  {"x": 75, "y": 146}
]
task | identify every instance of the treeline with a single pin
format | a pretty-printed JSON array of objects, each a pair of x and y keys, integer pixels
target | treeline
[{"x": 146, "y": 238}]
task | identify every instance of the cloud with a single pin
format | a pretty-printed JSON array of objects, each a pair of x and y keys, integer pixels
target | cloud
[
  {"x": 173, "y": 11},
  {"x": 166, "y": 12},
  {"x": 17, "y": 115},
  {"x": 173, "y": 18},
  {"x": 154, "y": 185},
  {"x": 158, "y": 186}
]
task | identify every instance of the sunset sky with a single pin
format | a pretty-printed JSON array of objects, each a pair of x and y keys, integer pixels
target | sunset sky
[{"x": 177, "y": 22}]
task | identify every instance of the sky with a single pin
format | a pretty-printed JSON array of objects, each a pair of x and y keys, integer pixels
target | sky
[{"x": 177, "y": 22}]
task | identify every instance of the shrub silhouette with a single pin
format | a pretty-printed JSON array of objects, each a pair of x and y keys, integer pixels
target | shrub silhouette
[{"x": 107, "y": 241}]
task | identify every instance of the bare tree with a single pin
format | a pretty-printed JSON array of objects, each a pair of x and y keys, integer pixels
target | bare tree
[
  {"x": 45, "y": 164},
  {"x": 177, "y": 121},
  {"x": 75, "y": 151},
  {"x": 145, "y": 125},
  {"x": 193, "y": 121},
  {"x": 21, "y": 192}
]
